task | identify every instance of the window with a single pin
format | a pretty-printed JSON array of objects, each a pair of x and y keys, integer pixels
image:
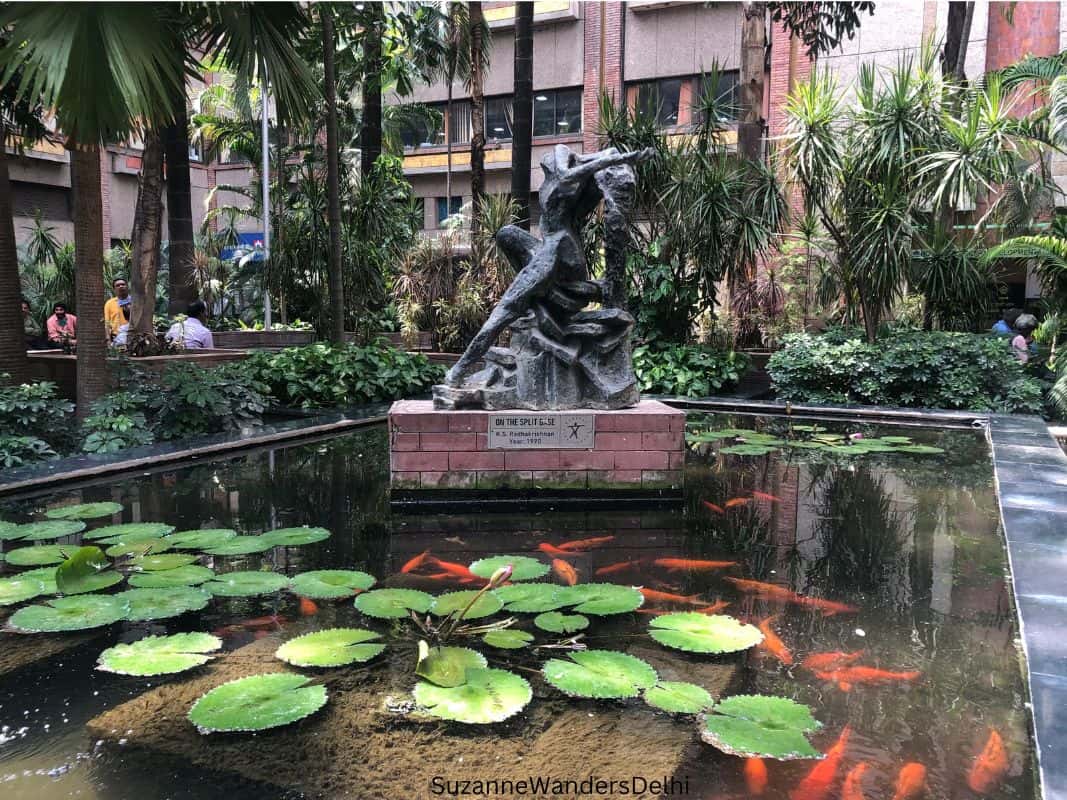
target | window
[
  {"x": 423, "y": 125},
  {"x": 676, "y": 102},
  {"x": 444, "y": 211},
  {"x": 557, "y": 111},
  {"x": 661, "y": 100},
  {"x": 498, "y": 117},
  {"x": 459, "y": 129},
  {"x": 420, "y": 211},
  {"x": 724, "y": 95}
]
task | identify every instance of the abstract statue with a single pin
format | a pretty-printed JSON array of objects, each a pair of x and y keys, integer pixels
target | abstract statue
[{"x": 560, "y": 355}]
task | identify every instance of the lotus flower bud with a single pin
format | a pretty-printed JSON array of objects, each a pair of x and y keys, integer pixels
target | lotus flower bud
[
  {"x": 855, "y": 436},
  {"x": 500, "y": 576}
]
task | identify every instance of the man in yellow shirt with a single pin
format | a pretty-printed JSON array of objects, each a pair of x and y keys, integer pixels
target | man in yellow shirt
[{"x": 113, "y": 315}]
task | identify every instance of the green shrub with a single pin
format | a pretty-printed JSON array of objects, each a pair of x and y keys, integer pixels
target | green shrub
[
  {"x": 117, "y": 423},
  {"x": 324, "y": 375},
  {"x": 904, "y": 368},
  {"x": 34, "y": 422},
  {"x": 189, "y": 401},
  {"x": 15, "y": 451},
  {"x": 687, "y": 370}
]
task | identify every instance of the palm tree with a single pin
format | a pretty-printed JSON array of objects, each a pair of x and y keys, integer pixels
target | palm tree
[
  {"x": 146, "y": 235},
  {"x": 333, "y": 189},
  {"x": 522, "y": 124},
  {"x": 479, "y": 43},
  {"x": 753, "y": 54},
  {"x": 371, "y": 133}
]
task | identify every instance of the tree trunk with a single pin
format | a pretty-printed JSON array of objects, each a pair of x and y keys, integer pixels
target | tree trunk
[
  {"x": 370, "y": 139},
  {"x": 477, "y": 117},
  {"x": 753, "y": 53},
  {"x": 957, "y": 34},
  {"x": 181, "y": 290},
  {"x": 91, "y": 372},
  {"x": 522, "y": 124},
  {"x": 12, "y": 338},
  {"x": 147, "y": 232},
  {"x": 333, "y": 187}
]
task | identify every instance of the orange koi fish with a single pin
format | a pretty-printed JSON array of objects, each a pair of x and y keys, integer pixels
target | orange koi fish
[
  {"x": 816, "y": 784},
  {"x": 262, "y": 623},
  {"x": 308, "y": 607},
  {"x": 585, "y": 544},
  {"x": 755, "y": 776},
  {"x": 667, "y": 597},
  {"x": 621, "y": 566},
  {"x": 714, "y": 608},
  {"x": 773, "y": 643},
  {"x": 853, "y": 788},
  {"x": 692, "y": 564},
  {"x": 771, "y": 591},
  {"x": 733, "y": 502},
  {"x": 911, "y": 782},
  {"x": 655, "y": 612},
  {"x": 416, "y": 562},
  {"x": 564, "y": 571},
  {"x": 989, "y": 766},
  {"x": 770, "y": 498},
  {"x": 847, "y": 677},
  {"x": 712, "y": 507},
  {"x": 827, "y": 607},
  {"x": 457, "y": 570},
  {"x": 826, "y": 662},
  {"x": 261, "y": 634},
  {"x": 552, "y": 550}
]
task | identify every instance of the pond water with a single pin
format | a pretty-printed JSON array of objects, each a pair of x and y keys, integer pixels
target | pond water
[{"x": 904, "y": 548}]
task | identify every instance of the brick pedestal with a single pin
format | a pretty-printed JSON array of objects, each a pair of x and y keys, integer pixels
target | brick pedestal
[{"x": 639, "y": 449}]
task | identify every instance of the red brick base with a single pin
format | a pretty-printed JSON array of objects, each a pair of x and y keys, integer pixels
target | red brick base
[{"x": 636, "y": 448}]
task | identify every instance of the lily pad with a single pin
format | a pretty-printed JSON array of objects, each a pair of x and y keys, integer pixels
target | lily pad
[
  {"x": 146, "y": 604},
  {"x": 292, "y": 537},
  {"x": 94, "y": 583},
  {"x": 137, "y": 548},
  {"x": 679, "y": 697},
  {"x": 712, "y": 436},
  {"x": 602, "y": 599},
  {"x": 49, "y": 529},
  {"x": 189, "y": 575},
  {"x": 895, "y": 439},
  {"x": 240, "y": 546},
  {"x": 523, "y": 568},
  {"x": 47, "y": 577},
  {"x": 165, "y": 561},
  {"x": 84, "y": 511},
  {"x": 532, "y": 598},
  {"x": 747, "y": 450},
  {"x": 39, "y": 555},
  {"x": 128, "y": 531},
  {"x": 447, "y": 666},
  {"x": 69, "y": 614},
  {"x": 508, "y": 639},
  {"x": 15, "y": 590},
  {"x": 333, "y": 647},
  {"x": 246, "y": 584},
  {"x": 393, "y": 603},
  {"x": 203, "y": 539},
  {"x": 77, "y": 573},
  {"x": 920, "y": 449},
  {"x": 704, "y": 633},
  {"x": 758, "y": 726},
  {"x": 257, "y": 703},
  {"x": 323, "y": 584},
  {"x": 487, "y": 696},
  {"x": 455, "y": 602},
  {"x": 159, "y": 655},
  {"x": 8, "y": 530},
  {"x": 555, "y": 622},
  {"x": 600, "y": 674}
]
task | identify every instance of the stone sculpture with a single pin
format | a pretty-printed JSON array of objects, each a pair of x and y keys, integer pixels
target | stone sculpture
[{"x": 561, "y": 354}]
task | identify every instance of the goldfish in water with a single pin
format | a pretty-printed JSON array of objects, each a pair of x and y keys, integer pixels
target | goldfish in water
[
  {"x": 414, "y": 563},
  {"x": 712, "y": 507},
  {"x": 667, "y": 597},
  {"x": 261, "y": 634},
  {"x": 773, "y": 643},
  {"x": 552, "y": 550},
  {"x": 620, "y": 566},
  {"x": 308, "y": 607},
  {"x": 692, "y": 564},
  {"x": 564, "y": 571},
  {"x": 847, "y": 677},
  {"x": 989, "y": 766},
  {"x": 733, "y": 502},
  {"x": 458, "y": 570},
  {"x": 771, "y": 591},
  {"x": 260, "y": 623},
  {"x": 655, "y": 612},
  {"x": 770, "y": 498},
  {"x": 816, "y": 784},
  {"x": 714, "y": 608},
  {"x": 755, "y": 776},
  {"x": 911, "y": 782},
  {"x": 827, "y": 607},
  {"x": 853, "y": 788},
  {"x": 585, "y": 544},
  {"x": 825, "y": 662}
]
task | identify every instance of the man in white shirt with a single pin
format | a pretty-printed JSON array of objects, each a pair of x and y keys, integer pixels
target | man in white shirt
[{"x": 191, "y": 333}]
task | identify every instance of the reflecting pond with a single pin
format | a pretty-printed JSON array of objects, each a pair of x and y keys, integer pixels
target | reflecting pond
[{"x": 877, "y": 575}]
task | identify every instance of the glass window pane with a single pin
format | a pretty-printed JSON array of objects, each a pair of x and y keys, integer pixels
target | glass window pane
[
  {"x": 670, "y": 90},
  {"x": 569, "y": 111},
  {"x": 648, "y": 99},
  {"x": 460, "y": 128},
  {"x": 498, "y": 115},
  {"x": 544, "y": 114}
]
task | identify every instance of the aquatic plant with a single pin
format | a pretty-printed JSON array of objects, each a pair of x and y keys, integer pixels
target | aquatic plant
[
  {"x": 447, "y": 666},
  {"x": 20, "y": 588},
  {"x": 164, "y": 561},
  {"x": 130, "y": 531},
  {"x": 678, "y": 697},
  {"x": 245, "y": 584},
  {"x": 704, "y": 633},
  {"x": 135, "y": 548},
  {"x": 240, "y": 546},
  {"x": 393, "y": 603},
  {"x": 293, "y": 537},
  {"x": 69, "y": 614},
  {"x": 524, "y": 568},
  {"x": 189, "y": 575},
  {"x": 533, "y": 598},
  {"x": 757, "y": 725},
  {"x": 555, "y": 622},
  {"x": 507, "y": 639},
  {"x": 333, "y": 647},
  {"x": 146, "y": 604},
  {"x": 324, "y": 584},
  {"x": 159, "y": 655},
  {"x": 812, "y": 438},
  {"x": 603, "y": 599},
  {"x": 601, "y": 674},
  {"x": 86, "y": 570},
  {"x": 39, "y": 555},
  {"x": 84, "y": 511},
  {"x": 257, "y": 703},
  {"x": 485, "y": 696},
  {"x": 473, "y": 604},
  {"x": 47, "y": 529},
  {"x": 203, "y": 539}
]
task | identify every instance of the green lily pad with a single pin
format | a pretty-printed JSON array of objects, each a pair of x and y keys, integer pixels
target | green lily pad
[
  {"x": 758, "y": 726},
  {"x": 49, "y": 529},
  {"x": 323, "y": 584},
  {"x": 15, "y": 590},
  {"x": 146, "y": 604},
  {"x": 393, "y": 603},
  {"x": 203, "y": 539},
  {"x": 240, "y": 546},
  {"x": 39, "y": 555},
  {"x": 292, "y": 537},
  {"x": 8, "y": 530},
  {"x": 189, "y": 575},
  {"x": 809, "y": 428},
  {"x": 165, "y": 561},
  {"x": 713, "y": 436},
  {"x": 532, "y": 598},
  {"x": 94, "y": 583},
  {"x": 555, "y": 622},
  {"x": 679, "y": 697},
  {"x": 75, "y": 575},
  {"x": 601, "y": 674},
  {"x": 159, "y": 655},
  {"x": 523, "y": 568},
  {"x": 807, "y": 445},
  {"x": 455, "y": 602},
  {"x": 257, "y": 703},
  {"x": 895, "y": 439},
  {"x": 84, "y": 511},
  {"x": 508, "y": 639},
  {"x": 69, "y": 614},
  {"x": 747, "y": 450},
  {"x": 602, "y": 599},
  {"x": 333, "y": 647},
  {"x": 246, "y": 584},
  {"x": 128, "y": 531},
  {"x": 47, "y": 577},
  {"x": 704, "y": 633},
  {"x": 920, "y": 449},
  {"x": 487, "y": 696},
  {"x": 137, "y": 548},
  {"x": 447, "y": 666}
]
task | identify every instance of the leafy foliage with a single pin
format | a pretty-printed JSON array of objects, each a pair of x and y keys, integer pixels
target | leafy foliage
[
  {"x": 69, "y": 614},
  {"x": 323, "y": 584},
  {"x": 190, "y": 401},
  {"x": 246, "y": 584},
  {"x": 147, "y": 604},
  {"x": 257, "y": 703},
  {"x": 84, "y": 510},
  {"x": 602, "y": 674},
  {"x": 332, "y": 647},
  {"x": 678, "y": 697},
  {"x": 34, "y": 422},
  {"x": 524, "y": 568},
  {"x": 761, "y": 727},
  {"x": 159, "y": 655},
  {"x": 704, "y": 633},
  {"x": 393, "y": 603},
  {"x": 486, "y": 696},
  {"x": 687, "y": 370}
]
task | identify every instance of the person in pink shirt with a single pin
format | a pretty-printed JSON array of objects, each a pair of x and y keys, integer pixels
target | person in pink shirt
[
  {"x": 1025, "y": 325},
  {"x": 62, "y": 327}
]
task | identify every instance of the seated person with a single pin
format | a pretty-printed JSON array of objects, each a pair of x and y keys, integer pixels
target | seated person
[
  {"x": 62, "y": 327},
  {"x": 113, "y": 308},
  {"x": 124, "y": 328},
  {"x": 1005, "y": 326},
  {"x": 1025, "y": 325},
  {"x": 31, "y": 328},
  {"x": 191, "y": 333}
]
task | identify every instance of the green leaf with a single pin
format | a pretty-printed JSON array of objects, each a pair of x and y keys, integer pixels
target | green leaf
[
  {"x": 704, "y": 633},
  {"x": 69, "y": 614},
  {"x": 455, "y": 602},
  {"x": 532, "y": 598},
  {"x": 189, "y": 575},
  {"x": 758, "y": 726},
  {"x": 146, "y": 604},
  {"x": 51, "y": 529},
  {"x": 15, "y": 590},
  {"x": 508, "y": 639},
  {"x": 162, "y": 562},
  {"x": 524, "y": 568},
  {"x": 83, "y": 563},
  {"x": 333, "y": 647},
  {"x": 84, "y": 511},
  {"x": 393, "y": 603},
  {"x": 246, "y": 584},
  {"x": 447, "y": 666},
  {"x": 292, "y": 537},
  {"x": 257, "y": 703},
  {"x": 47, "y": 577},
  {"x": 203, "y": 539},
  {"x": 128, "y": 531},
  {"x": 678, "y": 697},
  {"x": 487, "y": 696},
  {"x": 39, "y": 555},
  {"x": 747, "y": 450},
  {"x": 601, "y": 674},
  {"x": 555, "y": 622},
  {"x": 323, "y": 584},
  {"x": 240, "y": 546},
  {"x": 136, "y": 548},
  {"x": 93, "y": 583},
  {"x": 159, "y": 655},
  {"x": 602, "y": 599}
]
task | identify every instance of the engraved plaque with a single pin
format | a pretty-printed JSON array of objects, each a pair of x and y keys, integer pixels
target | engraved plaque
[{"x": 540, "y": 431}]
